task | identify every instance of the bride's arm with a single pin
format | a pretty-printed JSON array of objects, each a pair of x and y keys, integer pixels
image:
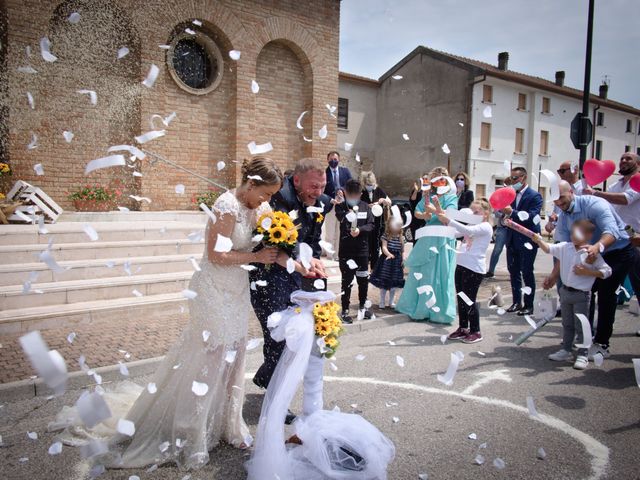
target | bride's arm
[{"x": 224, "y": 226}]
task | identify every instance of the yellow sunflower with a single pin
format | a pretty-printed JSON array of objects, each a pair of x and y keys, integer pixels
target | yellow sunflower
[
  {"x": 320, "y": 218},
  {"x": 332, "y": 342},
  {"x": 277, "y": 234}
]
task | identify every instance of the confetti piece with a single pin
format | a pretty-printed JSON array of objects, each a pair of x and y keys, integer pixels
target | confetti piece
[
  {"x": 255, "y": 88},
  {"x": 92, "y": 409},
  {"x": 68, "y": 136},
  {"x": 32, "y": 435},
  {"x": 38, "y": 169},
  {"x": 200, "y": 389},
  {"x": 126, "y": 427},
  {"x": 400, "y": 361},
  {"x": 190, "y": 294},
  {"x": 501, "y": 311},
  {"x": 443, "y": 339},
  {"x": 395, "y": 419},
  {"x": 357, "y": 157},
  {"x": 259, "y": 149},
  {"x": 189, "y": 31},
  {"x": 465, "y": 298},
  {"x": 318, "y": 284},
  {"x": 151, "y": 135},
  {"x": 447, "y": 378},
  {"x": 34, "y": 142},
  {"x": 28, "y": 69},
  {"x": 528, "y": 246},
  {"x": 235, "y": 55},
  {"x": 482, "y": 354},
  {"x": 461, "y": 124},
  {"x": 405, "y": 136},
  {"x": 348, "y": 146},
  {"x": 531, "y": 407},
  {"x": 541, "y": 454},
  {"x": 434, "y": 249},
  {"x": 305, "y": 254},
  {"x": 552, "y": 180},
  {"x": 205, "y": 335},
  {"x": 45, "y": 50},
  {"x": 526, "y": 290},
  {"x": 151, "y": 76},
  {"x": 46, "y": 257},
  {"x": 203, "y": 206},
  {"x": 299, "y": 120},
  {"x": 124, "y": 371},
  {"x": 91, "y": 232},
  {"x": 352, "y": 264},
  {"x": 333, "y": 367},
  {"x": 586, "y": 331},
  {"x": 322, "y": 133},
  {"x": 30, "y": 100},
  {"x": 230, "y": 356},
  {"x": 93, "y": 96},
  {"x": 74, "y": 17},
  {"x": 55, "y": 448},
  {"x": 445, "y": 149},
  {"x": 197, "y": 23},
  {"x": 254, "y": 343},
  {"x": 223, "y": 244},
  {"x": 530, "y": 321},
  {"x": 151, "y": 388},
  {"x": 220, "y": 165},
  {"x": 122, "y": 52},
  {"x": 194, "y": 264},
  {"x": 360, "y": 357},
  {"x": 105, "y": 162},
  {"x": 486, "y": 113},
  {"x": 179, "y": 189},
  {"x": 479, "y": 460},
  {"x": 331, "y": 108},
  {"x": 523, "y": 216},
  {"x": 397, "y": 77},
  {"x": 499, "y": 463},
  {"x": 135, "y": 151},
  {"x": 473, "y": 436},
  {"x": 598, "y": 359},
  {"x": 137, "y": 293}
]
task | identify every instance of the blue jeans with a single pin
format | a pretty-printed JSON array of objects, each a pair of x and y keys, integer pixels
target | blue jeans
[{"x": 501, "y": 237}]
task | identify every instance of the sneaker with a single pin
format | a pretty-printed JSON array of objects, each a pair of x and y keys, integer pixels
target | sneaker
[
  {"x": 581, "y": 362},
  {"x": 346, "y": 318},
  {"x": 364, "y": 314},
  {"x": 393, "y": 306},
  {"x": 561, "y": 356},
  {"x": 597, "y": 348},
  {"x": 488, "y": 275},
  {"x": 474, "y": 337},
  {"x": 459, "y": 334}
]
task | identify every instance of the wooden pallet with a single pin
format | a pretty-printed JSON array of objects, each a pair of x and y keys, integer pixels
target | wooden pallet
[{"x": 35, "y": 203}]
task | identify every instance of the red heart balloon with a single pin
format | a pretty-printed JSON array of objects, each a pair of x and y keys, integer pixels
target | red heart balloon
[
  {"x": 597, "y": 171},
  {"x": 503, "y": 197},
  {"x": 635, "y": 182}
]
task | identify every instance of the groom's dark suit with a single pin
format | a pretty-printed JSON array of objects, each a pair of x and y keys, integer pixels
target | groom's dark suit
[{"x": 274, "y": 297}]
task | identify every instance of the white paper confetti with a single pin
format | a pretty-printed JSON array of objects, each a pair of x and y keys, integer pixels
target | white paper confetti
[
  {"x": 74, "y": 17},
  {"x": 124, "y": 371},
  {"x": 318, "y": 284},
  {"x": 32, "y": 435},
  {"x": 46, "y": 257},
  {"x": 291, "y": 265},
  {"x": 473, "y": 436},
  {"x": 31, "y": 101},
  {"x": 92, "y": 409},
  {"x": 397, "y": 77},
  {"x": 528, "y": 246},
  {"x": 400, "y": 361},
  {"x": 395, "y": 419},
  {"x": 299, "y": 120},
  {"x": 360, "y": 357},
  {"x": 137, "y": 293},
  {"x": 248, "y": 268},
  {"x": 447, "y": 378},
  {"x": 223, "y": 244},
  {"x": 91, "y": 232},
  {"x": 179, "y": 189},
  {"x": 34, "y": 142},
  {"x": 71, "y": 337},
  {"x": 93, "y": 96},
  {"x": 501, "y": 311},
  {"x": 333, "y": 367},
  {"x": 443, "y": 339},
  {"x": 259, "y": 149},
  {"x": 357, "y": 157},
  {"x": 152, "y": 75},
  {"x": 38, "y": 169},
  {"x": 68, "y": 136},
  {"x": 499, "y": 463},
  {"x": 220, "y": 165},
  {"x": 598, "y": 359},
  {"x": 203, "y": 206},
  {"x": 348, "y": 146},
  {"x": 523, "y": 216},
  {"x": 254, "y": 343},
  {"x": 352, "y": 264},
  {"x": 105, "y": 162},
  {"x": 305, "y": 254},
  {"x": 526, "y": 290},
  {"x": 530, "y": 321},
  {"x": 200, "y": 389},
  {"x": 255, "y": 88},
  {"x": 541, "y": 454},
  {"x": 531, "y": 407},
  {"x": 235, "y": 55},
  {"x": 552, "y": 180},
  {"x": 322, "y": 133},
  {"x": 135, "y": 151},
  {"x": 230, "y": 356},
  {"x": 636, "y": 367},
  {"x": 151, "y": 388},
  {"x": 55, "y": 448},
  {"x": 122, "y": 52},
  {"x": 126, "y": 427},
  {"x": 45, "y": 50},
  {"x": 405, "y": 136},
  {"x": 205, "y": 335},
  {"x": 151, "y": 135},
  {"x": 586, "y": 331},
  {"x": 197, "y": 23},
  {"x": 190, "y": 294},
  {"x": 479, "y": 460},
  {"x": 189, "y": 31},
  {"x": 486, "y": 113},
  {"x": 465, "y": 298}
]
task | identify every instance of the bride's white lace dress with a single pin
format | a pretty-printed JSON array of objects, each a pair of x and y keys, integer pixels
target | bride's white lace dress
[{"x": 175, "y": 424}]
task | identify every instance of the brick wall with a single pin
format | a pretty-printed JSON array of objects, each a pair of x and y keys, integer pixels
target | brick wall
[{"x": 289, "y": 47}]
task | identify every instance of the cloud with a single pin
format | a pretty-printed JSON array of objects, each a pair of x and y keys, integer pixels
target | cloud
[{"x": 541, "y": 37}]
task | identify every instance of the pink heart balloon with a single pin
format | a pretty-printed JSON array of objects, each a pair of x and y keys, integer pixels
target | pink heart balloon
[
  {"x": 597, "y": 171},
  {"x": 635, "y": 182},
  {"x": 503, "y": 197}
]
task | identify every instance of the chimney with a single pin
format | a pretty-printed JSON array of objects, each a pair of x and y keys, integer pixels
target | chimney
[
  {"x": 604, "y": 90},
  {"x": 560, "y": 78},
  {"x": 503, "y": 61}
]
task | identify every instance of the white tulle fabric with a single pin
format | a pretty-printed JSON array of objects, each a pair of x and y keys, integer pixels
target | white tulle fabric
[
  {"x": 192, "y": 425},
  {"x": 335, "y": 445}
]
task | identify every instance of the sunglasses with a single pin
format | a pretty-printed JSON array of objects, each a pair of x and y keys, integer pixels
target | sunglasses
[
  {"x": 562, "y": 170},
  {"x": 515, "y": 177}
]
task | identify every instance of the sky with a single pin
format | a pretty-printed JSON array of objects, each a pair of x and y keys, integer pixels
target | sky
[{"x": 541, "y": 36}]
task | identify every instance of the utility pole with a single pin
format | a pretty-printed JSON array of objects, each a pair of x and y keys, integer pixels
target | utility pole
[{"x": 586, "y": 130}]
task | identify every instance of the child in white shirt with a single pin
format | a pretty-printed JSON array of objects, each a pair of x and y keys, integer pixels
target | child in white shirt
[{"x": 577, "y": 279}]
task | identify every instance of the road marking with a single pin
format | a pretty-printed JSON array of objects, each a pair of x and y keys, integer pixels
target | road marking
[
  {"x": 599, "y": 452},
  {"x": 488, "y": 377}
]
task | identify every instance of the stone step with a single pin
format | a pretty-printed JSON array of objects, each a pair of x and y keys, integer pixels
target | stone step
[
  {"x": 18, "y": 273},
  {"x": 135, "y": 309},
  {"x": 28, "y": 253},
  {"x": 73, "y": 232},
  {"x": 195, "y": 216},
  {"x": 76, "y": 291}
]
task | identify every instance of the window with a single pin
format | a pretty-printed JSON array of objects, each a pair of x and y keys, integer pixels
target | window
[
  {"x": 195, "y": 63},
  {"x": 485, "y": 136},
  {"x": 627, "y": 148},
  {"x": 599, "y": 149},
  {"x": 481, "y": 190},
  {"x": 543, "y": 193},
  {"x": 343, "y": 113},
  {"x": 629, "y": 126},
  {"x": 487, "y": 94},
  {"x": 519, "y": 140},
  {"x": 600, "y": 119},
  {"x": 544, "y": 143},
  {"x": 638, "y": 150},
  {"x": 546, "y": 105},
  {"x": 522, "y": 101}
]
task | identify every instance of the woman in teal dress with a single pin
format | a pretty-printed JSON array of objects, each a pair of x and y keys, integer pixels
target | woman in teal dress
[{"x": 431, "y": 270}]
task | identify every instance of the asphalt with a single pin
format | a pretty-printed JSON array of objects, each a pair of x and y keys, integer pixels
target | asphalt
[{"x": 588, "y": 422}]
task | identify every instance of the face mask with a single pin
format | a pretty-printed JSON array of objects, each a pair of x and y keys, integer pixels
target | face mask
[
  {"x": 369, "y": 188},
  {"x": 352, "y": 202},
  {"x": 459, "y": 183},
  {"x": 571, "y": 205},
  {"x": 333, "y": 163},
  {"x": 517, "y": 186}
]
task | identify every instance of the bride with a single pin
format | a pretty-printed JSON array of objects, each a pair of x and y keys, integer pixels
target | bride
[{"x": 195, "y": 398}]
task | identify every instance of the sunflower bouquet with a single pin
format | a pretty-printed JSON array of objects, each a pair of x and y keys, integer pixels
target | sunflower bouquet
[
  {"x": 277, "y": 230},
  {"x": 328, "y": 326}
]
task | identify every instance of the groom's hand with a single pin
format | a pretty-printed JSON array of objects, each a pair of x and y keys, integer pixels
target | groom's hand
[{"x": 317, "y": 268}]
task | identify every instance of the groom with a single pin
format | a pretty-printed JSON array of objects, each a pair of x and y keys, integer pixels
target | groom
[{"x": 301, "y": 190}]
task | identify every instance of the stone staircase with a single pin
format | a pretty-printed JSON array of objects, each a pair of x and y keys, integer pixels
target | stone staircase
[{"x": 138, "y": 267}]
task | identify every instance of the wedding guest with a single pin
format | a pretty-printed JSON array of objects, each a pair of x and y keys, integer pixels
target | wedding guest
[
  {"x": 524, "y": 209},
  {"x": 577, "y": 280},
  {"x": 301, "y": 190},
  {"x": 414, "y": 200},
  {"x": 609, "y": 238},
  {"x": 356, "y": 225},
  {"x": 373, "y": 194},
  {"x": 337, "y": 178},
  {"x": 388, "y": 274},
  {"x": 471, "y": 267},
  {"x": 500, "y": 238},
  {"x": 465, "y": 196},
  {"x": 432, "y": 260}
]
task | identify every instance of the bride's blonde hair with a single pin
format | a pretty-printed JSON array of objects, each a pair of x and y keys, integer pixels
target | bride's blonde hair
[{"x": 263, "y": 167}]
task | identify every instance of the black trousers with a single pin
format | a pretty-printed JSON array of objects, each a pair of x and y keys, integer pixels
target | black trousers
[
  {"x": 361, "y": 274},
  {"x": 634, "y": 273},
  {"x": 620, "y": 261},
  {"x": 468, "y": 281}
]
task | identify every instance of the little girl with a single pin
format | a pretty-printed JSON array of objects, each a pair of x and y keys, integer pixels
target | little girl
[
  {"x": 389, "y": 272},
  {"x": 470, "y": 268}
]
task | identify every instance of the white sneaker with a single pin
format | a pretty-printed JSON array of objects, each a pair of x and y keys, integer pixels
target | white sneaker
[
  {"x": 561, "y": 356},
  {"x": 382, "y": 306},
  {"x": 581, "y": 362},
  {"x": 597, "y": 348},
  {"x": 634, "y": 306}
]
